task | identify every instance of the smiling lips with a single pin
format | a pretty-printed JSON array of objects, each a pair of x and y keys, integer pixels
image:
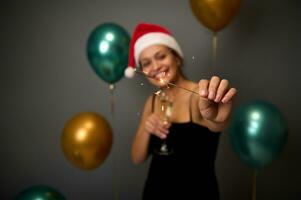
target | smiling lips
[{"x": 160, "y": 75}]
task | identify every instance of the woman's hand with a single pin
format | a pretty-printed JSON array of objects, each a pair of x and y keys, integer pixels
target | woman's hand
[
  {"x": 216, "y": 99},
  {"x": 156, "y": 126}
]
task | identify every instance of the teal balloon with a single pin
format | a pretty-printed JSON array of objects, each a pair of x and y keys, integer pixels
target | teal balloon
[
  {"x": 107, "y": 51},
  {"x": 258, "y": 133},
  {"x": 40, "y": 192}
]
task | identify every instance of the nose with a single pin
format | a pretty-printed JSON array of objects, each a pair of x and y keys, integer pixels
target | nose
[
  {"x": 156, "y": 65},
  {"x": 154, "y": 68}
]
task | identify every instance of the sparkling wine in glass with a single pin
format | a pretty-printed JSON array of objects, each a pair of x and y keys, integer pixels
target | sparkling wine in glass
[{"x": 165, "y": 112}]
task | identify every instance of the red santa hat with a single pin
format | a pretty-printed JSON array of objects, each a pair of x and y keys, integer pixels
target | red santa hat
[{"x": 146, "y": 35}]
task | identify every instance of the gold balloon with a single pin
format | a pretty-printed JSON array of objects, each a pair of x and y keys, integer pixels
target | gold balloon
[
  {"x": 215, "y": 14},
  {"x": 86, "y": 140}
]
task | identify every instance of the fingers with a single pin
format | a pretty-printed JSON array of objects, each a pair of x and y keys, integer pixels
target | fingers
[
  {"x": 203, "y": 87},
  {"x": 208, "y": 89},
  {"x": 213, "y": 86},
  {"x": 222, "y": 89},
  {"x": 156, "y": 126},
  {"x": 229, "y": 95},
  {"x": 216, "y": 90}
]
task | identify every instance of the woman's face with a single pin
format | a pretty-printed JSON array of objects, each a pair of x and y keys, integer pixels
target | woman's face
[{"x": 159, "y": 62}]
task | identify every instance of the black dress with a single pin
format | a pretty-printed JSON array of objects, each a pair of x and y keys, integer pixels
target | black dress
[{"x": 189, "y": 172}]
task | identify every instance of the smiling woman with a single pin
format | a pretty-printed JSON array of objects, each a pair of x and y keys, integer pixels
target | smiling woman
[
  {"x": 193, "y": 127},
  {"x": 161, "y": 56}
]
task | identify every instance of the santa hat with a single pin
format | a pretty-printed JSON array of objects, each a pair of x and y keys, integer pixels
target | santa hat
[{"x": 146, "y": 35}]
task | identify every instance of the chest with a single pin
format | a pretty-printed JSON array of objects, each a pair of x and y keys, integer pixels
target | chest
[{"x": 178, "y": 108}]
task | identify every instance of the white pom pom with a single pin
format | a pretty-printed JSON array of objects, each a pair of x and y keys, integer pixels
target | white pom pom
[{"x": 129, "y": 72}]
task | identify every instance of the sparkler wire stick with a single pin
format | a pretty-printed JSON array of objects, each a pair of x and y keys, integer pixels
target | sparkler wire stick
[{"x": 165, "y": 82}]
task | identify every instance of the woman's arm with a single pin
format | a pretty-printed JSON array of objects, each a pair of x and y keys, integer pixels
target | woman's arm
[{"x": 142, "y": 137}]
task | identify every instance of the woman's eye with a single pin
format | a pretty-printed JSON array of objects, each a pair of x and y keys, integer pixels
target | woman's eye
[
  {"x": 162, "y": 56},
  {"x": 146, "y": 64}
]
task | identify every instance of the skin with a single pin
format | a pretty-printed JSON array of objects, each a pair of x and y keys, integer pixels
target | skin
[{"x": 212, "y": 108}]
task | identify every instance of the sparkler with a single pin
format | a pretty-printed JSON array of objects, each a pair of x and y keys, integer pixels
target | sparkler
[{"x": 166, "y": 82}]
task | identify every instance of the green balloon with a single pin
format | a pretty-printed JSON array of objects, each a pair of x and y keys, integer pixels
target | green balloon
[
  {"x": 40, "y": 192},
  {"x": 107, "y": 51},
  {"x": 258, "y": 133}
]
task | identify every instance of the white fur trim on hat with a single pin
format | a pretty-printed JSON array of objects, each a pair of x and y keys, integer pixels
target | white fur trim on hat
[
  {"x": 129, "y": 72},
  {"x": 150, "y": 39}
]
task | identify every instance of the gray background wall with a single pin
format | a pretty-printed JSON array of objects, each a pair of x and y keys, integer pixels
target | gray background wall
[{"x": 45, "y": 79}]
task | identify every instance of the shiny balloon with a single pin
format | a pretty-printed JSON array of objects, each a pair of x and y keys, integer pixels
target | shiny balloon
[
  {"x": 107, "y": 51},
  {"x": 86, "y": 140},
  {"x": 40, "y": 192},
  {"x": 215, "y": 14},
  {"x": 258, "y": 133}
]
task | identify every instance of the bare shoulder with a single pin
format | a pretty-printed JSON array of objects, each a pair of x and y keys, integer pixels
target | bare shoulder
[{"x": 192, "y": 85}]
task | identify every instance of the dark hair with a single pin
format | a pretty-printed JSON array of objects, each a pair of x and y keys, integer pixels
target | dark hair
[
  {"x": 181, "y": 61},
  {"x": 177, "y": 55}
]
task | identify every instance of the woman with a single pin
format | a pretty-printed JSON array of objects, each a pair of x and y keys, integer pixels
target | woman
[{"x": 194, "y": 127}]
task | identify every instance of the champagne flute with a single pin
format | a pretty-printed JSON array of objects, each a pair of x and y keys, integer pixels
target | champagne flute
[{"x": 165, "y": 112}]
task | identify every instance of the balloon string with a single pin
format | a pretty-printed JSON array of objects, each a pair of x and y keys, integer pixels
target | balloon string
[
  {"x": 115, "y": 170},
  {"x": 254, "y": 185},
  {"x": 214, "y": 50},
  {"x": 112, "y": 87}
]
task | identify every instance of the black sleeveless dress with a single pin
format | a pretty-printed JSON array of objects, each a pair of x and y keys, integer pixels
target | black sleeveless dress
[{"x": 189, "y": 172}]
